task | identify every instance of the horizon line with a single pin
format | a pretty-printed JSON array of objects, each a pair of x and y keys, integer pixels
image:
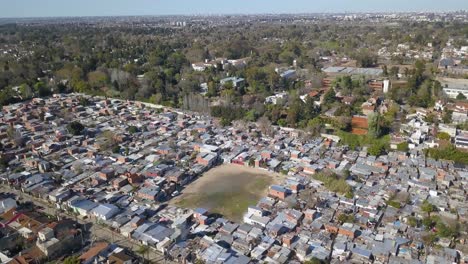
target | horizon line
[{"x": 241, "y": 14}]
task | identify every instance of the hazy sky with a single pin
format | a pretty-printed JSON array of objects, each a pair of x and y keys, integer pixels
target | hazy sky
[{"x": 42, "y": 8}]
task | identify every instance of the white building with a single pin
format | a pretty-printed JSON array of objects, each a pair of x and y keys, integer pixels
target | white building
[
  {"x": 279, "y": 98},
  {"x": 461, "y": 141},
  {"x": 386, "y": 86},
  {"x": 454, "y": 87},
  {"x": 105, "y": 211}
]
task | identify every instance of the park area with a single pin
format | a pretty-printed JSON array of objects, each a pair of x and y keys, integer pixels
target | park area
[{"x": 227, "y": 190}]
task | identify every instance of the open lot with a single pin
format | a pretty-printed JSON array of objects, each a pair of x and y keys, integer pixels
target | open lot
[{"x": 228, "y": 190}]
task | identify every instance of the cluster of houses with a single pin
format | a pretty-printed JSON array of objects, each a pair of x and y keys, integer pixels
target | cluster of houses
[
  {"x": 131, "y": 158},
  {"x": 221, "y": 63}
]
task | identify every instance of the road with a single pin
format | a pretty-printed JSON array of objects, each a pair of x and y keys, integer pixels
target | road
[{"x": 97, "y": 232}]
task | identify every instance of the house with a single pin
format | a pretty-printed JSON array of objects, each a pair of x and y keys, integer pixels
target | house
[
  {"x": 278, "y": 192},
  {"x": 148, "y": 193},
  {"x": 289, "y": 74},
  {"x": 120, "y": 258},
  {"x": 237, "y": 83},
  {"x": 7, "y": 204},
  {"x": 105, "y": 211},
  {"x": 81, "y": 206},
  {"x": 206, "y": 159},
  {"x": 177, "y": 176},
  {"x": 278, "y": 98},
  {"x": 461, "y": 140},
  {"x": 368, "y": 108},
  {"x": 92, "y": 255},
  {"x": 359, "y": 125}
]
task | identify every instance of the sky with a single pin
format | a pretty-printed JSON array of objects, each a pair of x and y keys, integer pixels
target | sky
[{"x": 54, "y": 8}]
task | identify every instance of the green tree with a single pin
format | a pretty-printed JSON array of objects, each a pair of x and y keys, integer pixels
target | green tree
[
  {"x": 41, "y": 89},
  {"x": 412, "y": 221},
  {"x": 144, "y": 252},
  {"x": 394, "y": 71},
  {"x": 375, "y": 125},
  {"x": 447, "y": 116},
  {"x": 346, "y": 218},
  {"x": 75, "y": 128},
  {"x": 329, "y": 97},
  {"x": 26, "y": 91},
  {"x": 84, "y": 101},
  {"x": 403, "y": 147},
  {"x": 72, "y": 260},
  {"x": 461, "y": 96},
  {"x": 376, "y": 149},
  {"x": 116, "y": 149},
  {"x": 385, "y": 70},
  {"x": 428, "y": 208},
  {"x": 252, "y": 162},
  {"x": 314, "y": 260},
  {"x": 132, "y": 129},
  {"x": 443, "y": 136},
  {"x": 365, "y": 58}
]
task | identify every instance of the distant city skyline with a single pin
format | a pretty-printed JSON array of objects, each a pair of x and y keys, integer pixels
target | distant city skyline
[{"x": 64, "y": 8}]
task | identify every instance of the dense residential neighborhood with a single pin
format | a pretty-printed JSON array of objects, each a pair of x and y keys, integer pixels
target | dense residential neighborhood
[
  {"x": 244, "y": 138},
  {"x": 126, "y": 160}
]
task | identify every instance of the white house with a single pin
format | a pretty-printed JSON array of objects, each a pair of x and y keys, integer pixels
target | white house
[{"x": 105, "y": 211}]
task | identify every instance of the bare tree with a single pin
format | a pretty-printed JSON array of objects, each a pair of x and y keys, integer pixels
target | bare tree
[
  {"x": 265, "y": 126},
  {"x": 15, "y": 136}
]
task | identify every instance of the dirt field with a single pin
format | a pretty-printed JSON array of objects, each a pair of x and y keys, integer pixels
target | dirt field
[{"x": 228, "y": 190}]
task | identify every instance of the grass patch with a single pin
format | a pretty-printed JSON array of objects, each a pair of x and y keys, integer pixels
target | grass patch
[
  {"x": 448, "y": 153},
  {"x": 394, "y": 204},
  {"x": 229, "y": 195},
  {"x": 334, "y": 183},
  {"x": 354, "y": 141}
]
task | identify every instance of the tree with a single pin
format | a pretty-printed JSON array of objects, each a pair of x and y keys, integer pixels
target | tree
[
  {"x": 314, "y": 260},
  {"x": 75, "y": 128},
  {"x": 143, "y": 250},
  {"x": 376, "y": 149},
  {"x": 15, "y": 136},
  {"x": 265, "y": 126},
  {"x": 329, "y": 97},
  {"x": 385, "y": 70},
  {"x": 84, "y": 101},
  {"x": 346, "y": 82},
  {"x": 116, "y": 149},
  {"x": 461, "y": 96},
  {"x": 41, "y": 89},
  {"x": 97, "y": 79},
  {"x": 225, "y": 122},
  {"x": 412, "y": 221},
  {"x": 132, "y": 129},
  {"x": 3, "y": 163},
  {"x": 403, "y": 147},
  {"x": 394, "y": 71},
  {"x": 428, "y": 208},
  {"x": 443, "y": 136},
  {"x": 71, "y": 260},
  {"x": 346, "y": 218},
  {"x": 375, "y": 125},
  {"x": 26, "y": 91},
  {"x": 365, "y": 59},
  {"x": 447, "y": 117},
  {"x": 252, "y": 162},
  {"x": 315, "y": 126}
]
